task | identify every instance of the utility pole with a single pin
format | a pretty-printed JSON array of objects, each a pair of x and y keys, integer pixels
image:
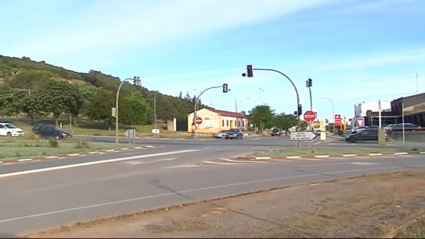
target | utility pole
[
  {"x": 402, "y": 121},
  {"x": 417, "y": 83},
  {"x": 154, "y": 108},
  {"x": 236, "y": 105}
]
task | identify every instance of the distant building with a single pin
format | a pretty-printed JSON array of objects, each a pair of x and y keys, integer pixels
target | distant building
[
  {"x": 361, "y": 109},
  {"x": 214, "y": 120},
  {"x": 414, "y": 111}
]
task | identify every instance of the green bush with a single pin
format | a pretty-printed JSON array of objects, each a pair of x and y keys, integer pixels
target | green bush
[
  {"x": 53, "y": 143},
  {"x": 82, "y": 145}
]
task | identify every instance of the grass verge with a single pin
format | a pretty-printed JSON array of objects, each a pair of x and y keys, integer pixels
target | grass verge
[
  {"x": 31, "y": 147},
  {"x": 285, "y": 152},
  {"x": 84, "y": 127},
  {"x": 414, "y": 230}
]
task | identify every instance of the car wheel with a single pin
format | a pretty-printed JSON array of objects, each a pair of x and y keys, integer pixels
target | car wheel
[
  {"x": 353, "y": 140},
  {"x": 57, "y": 137},
  {"x": 9, "y": 134}
]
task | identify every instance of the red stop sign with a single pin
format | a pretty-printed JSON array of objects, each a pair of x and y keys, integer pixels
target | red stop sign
[
  {"x": 198, "y": 120},
  {"x": 309, "y": 116}
]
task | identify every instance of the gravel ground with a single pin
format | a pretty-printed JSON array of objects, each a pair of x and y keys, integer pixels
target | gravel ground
[{"x": 367, "y": 206}]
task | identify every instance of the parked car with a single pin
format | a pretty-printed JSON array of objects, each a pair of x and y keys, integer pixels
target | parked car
[
  {"x": 367, "y": 134},
  {"x": 220, "y": 135},
  {"x": 277, "y": 132},
  {"x": 407, "y": 127},
  {"x": 8, "y": 129},
  {"x": 50, "y": 131},
  {"x": 234, "y": 134}
]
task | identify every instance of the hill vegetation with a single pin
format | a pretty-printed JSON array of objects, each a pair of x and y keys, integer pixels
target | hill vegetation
[{"x": 38, "y": 89}]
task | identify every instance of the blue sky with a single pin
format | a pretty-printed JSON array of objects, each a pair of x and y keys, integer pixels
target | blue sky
[{"x": 353, "y": 50}]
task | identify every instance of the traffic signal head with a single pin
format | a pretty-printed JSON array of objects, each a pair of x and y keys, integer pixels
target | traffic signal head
[
  {"x": 225, "y": 88},
  {"x": 309, "y": 83},
  {"x": 300, "y": 109},
  {"x": 249, "y": 71}
]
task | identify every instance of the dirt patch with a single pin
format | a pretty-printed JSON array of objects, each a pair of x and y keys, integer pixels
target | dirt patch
[{"x": 368, "y": 206}]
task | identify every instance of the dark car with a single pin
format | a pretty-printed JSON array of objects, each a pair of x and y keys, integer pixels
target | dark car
[
  {"x": 277, "y": 132},
  {"x": 50, "y": 131},
  {"x": 407, "y": 127},
  {"x": 234, "y": 134},
  {"x": 367, "y": 134}
]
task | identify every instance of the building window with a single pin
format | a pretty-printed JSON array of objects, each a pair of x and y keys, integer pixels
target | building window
[
  {"x": 243, "y": 123},
  {"x": 207, "y": 118},
  {"x": 227, "y": 123},
  {"x": 222, "y": 123}
]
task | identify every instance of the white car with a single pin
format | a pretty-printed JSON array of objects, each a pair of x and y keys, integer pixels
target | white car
[{"x": 8, "y": 129}]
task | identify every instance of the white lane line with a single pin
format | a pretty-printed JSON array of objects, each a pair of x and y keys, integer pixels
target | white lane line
[
  {"x": 211, "y": 162},
  {"x": 184, "y": 166},
  {"x": 94, "y": 163},
  {"x": 241, "y": 161},
  {"x": 317, "y": 143},
  {"x": 185, "y": 191}
]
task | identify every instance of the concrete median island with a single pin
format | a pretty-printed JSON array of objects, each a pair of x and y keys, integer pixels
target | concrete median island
[
  {"x": 22, "y": 149},
  {"x": 317, "y": 152}
]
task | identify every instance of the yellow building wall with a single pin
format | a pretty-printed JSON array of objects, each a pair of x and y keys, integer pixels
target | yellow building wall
[{"x": 213, "y": 123}]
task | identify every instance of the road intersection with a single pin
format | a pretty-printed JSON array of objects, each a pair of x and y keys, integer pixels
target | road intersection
[{"x": 41, "y": 195}]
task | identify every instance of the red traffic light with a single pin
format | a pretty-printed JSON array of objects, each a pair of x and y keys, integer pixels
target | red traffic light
[{"x": 249, "y": 71}]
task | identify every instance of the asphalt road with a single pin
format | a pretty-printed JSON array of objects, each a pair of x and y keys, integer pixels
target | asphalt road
[{"x": 54, "y": 195}]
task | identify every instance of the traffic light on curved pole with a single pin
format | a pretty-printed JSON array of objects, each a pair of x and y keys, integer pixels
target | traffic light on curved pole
[
  {"x": 249, "y": 71},
  {"x": 300, "y": 109}
]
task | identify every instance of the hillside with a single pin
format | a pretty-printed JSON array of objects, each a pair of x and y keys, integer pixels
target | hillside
[{"x": 22, "y": 73}]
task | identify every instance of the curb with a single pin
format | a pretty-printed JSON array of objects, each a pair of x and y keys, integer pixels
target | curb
[
  {"x": 328, "y": 156},
  {"x": 14, "y": 161}
]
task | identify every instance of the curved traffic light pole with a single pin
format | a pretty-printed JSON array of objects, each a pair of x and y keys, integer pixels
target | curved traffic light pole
[
  {"x": 295, "y": 88},
  {"x": 196, "y": 107}
]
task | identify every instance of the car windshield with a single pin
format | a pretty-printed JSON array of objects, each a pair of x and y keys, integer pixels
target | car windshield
[{"x": 10, "y": 126}]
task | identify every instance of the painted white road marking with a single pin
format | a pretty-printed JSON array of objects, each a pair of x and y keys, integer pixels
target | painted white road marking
[
  {"x": 317, "y": 143},
  {"x": 183, "y": 192},
  {"x": 184, "y": 166},
  {"x": 363, "y": 163},
  {"x": 94, "y": 163},
  {"x": 241, "y": 161}
]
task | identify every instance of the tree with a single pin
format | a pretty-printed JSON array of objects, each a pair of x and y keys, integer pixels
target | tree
[
  {"x": 133, "y": 110},
  {"x": 262, "y": 116},
  {"x": 100, "y": 106},
  {"x": 285, "y": 122},
  {"x": 76, "y": 102},
  {"x": 59, "y": 97},
  {"x": 10, "y": 101}
]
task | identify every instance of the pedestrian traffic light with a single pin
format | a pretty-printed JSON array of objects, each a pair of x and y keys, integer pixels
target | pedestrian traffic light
[
  {"x": 225, "y": 88},
  {"x": 300, "y": 109},
  {"x": 309, "y": 83},
  {"x": 249, "y": 71}
]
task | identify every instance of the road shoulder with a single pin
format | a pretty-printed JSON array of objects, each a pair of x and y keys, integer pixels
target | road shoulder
[{"x": 345, "y": 208}]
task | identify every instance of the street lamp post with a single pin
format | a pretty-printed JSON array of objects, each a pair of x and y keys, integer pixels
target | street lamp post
[
  {"x": 242, "y": 102},
  {"x": 402, "y": 121},
  {"x": 261, "y": 90},
  {"x": 116, "y": 106},
  {"x": 333, "y": 111}
]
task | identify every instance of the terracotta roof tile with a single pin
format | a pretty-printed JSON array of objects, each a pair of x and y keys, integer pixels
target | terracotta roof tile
[{"x": 228, "y": 113}]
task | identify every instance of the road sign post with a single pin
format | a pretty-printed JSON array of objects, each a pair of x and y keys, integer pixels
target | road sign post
[
  {"x": 303, "y": 136},
  {"x": 309, "y": 116},
  {"x": 198, "y": 120},
  {"x": 131, "y": 135}
]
